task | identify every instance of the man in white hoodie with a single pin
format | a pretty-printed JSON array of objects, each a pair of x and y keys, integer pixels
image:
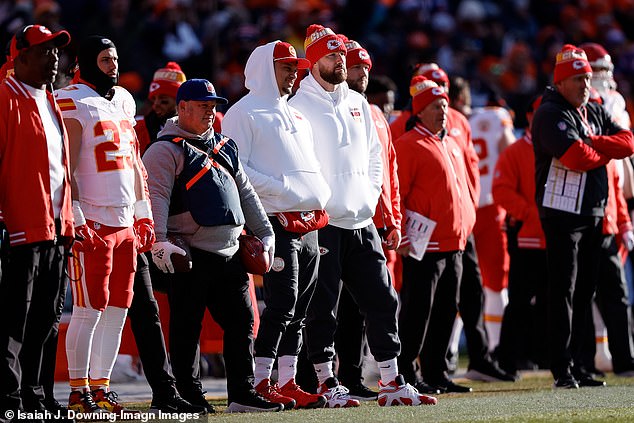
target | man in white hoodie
[
  {"x": 276, "y": 150},
  {"x": 349, "y": 152}
]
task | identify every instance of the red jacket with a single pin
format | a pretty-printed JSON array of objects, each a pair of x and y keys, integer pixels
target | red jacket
[
  {"x": 616, "y": 219},
  {"x": 388, "y": 210},
  {"x": 514, "y": 190},
  {"x": 460, "y": 130},
  {"x": 25, "y": 197},
  {"x": 398, "y": 126},
  {"x": 434, "y": 188}
]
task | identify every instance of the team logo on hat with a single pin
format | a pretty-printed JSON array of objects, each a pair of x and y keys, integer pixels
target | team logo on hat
[
  {"x": 291, "y": 51},
  {"x": 210, "y": 87},
  {"x": 333, "y": 44},
  {"x": 437, "y": 91},
  {"x": 578, "y": 64},
  {"x": 106, "y": 41},
  {"x": 363, "y": 55},
  {"x": 154, "y": 86},
  {"x": 436, "y": 74}
]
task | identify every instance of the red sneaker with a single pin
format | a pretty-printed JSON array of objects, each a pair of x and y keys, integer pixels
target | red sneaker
[
  {"x": 108, "y": 401},
  {"x": 272, "y": 394},
  {"x": 302, "y": 398}
]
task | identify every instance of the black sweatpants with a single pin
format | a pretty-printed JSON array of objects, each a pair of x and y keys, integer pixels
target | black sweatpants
[
  {"x": 354, "y": 257},
  {"x": 471, "y": 306},
  {"x": 220, "y": 285},
  {"x": 524, "y": 323},
  {"x": 611, "y": 298},
  {"x": 288, "y": 289},
  {"x": 573, "y": 248},
  {"x": 148, "y": 333},
  {"x": 429, "y": 303},
  {"x": 349, "y": 340},
  {"x": 30, "y": 290}
]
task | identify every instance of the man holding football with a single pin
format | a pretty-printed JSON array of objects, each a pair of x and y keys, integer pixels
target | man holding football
[
  {"x": 200, "y": 192},
  {"x": 276, "y": 148}
]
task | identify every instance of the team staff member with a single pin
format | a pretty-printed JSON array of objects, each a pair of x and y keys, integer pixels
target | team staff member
[
  {"x": 568, "y": 131},
  {"x": 34, "y": 160},
  {"x": 112, "y": 215},
  {"x": 434, "y": 183},
  {"x": 190, "y": 162},
  {"x": 350, "y": 334},
  {"x": 349, "y": 153}
]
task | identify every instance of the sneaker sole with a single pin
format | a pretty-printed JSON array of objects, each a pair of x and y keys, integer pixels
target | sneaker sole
[
  {"x": 239, "y": 408},
  {"x": 360, "y": 398}
]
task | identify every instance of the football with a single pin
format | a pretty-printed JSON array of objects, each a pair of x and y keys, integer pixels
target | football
[
  {"x": 254, "y": 259},
  {"x": 180, "y": 263}
]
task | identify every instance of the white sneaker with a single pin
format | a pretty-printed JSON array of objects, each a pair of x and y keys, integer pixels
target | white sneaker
[
  {"x": 398, "y": 392},
  {"x": 337, "y": 395}
]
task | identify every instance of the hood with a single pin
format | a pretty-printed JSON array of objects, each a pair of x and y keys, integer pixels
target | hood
[
  {"x": 260, "y": 74},
  {"x": 172, "y": 129},
  {"x": 551, "y": 95},
  {"x": 260, "y": 80}
]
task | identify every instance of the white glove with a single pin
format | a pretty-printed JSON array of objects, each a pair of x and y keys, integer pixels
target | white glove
[
  {"x": 161, "y": 255},
  {"x": 628, "y": 239},
  {"x": 269, "y": 246}
]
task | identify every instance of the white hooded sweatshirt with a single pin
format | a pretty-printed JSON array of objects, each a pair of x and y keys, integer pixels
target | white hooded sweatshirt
[
  {"x": 275, "y": 142},
  {"x": 348, "y": 149}
]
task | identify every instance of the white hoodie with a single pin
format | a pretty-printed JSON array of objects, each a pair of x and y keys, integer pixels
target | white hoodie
[
  {"x": 275, "y": 142},
  {"x": 348, "y": 149}
]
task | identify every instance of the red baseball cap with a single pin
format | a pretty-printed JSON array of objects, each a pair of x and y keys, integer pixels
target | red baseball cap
[
  {"x": 285, "y": 53},
  {"x": 32, "y": 35}
]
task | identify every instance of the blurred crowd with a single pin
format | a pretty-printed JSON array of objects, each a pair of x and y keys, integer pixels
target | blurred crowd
[{"x": 505, "y": 49}]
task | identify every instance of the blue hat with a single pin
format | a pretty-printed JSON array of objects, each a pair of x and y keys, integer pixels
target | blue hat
[{"x": 198, "y": 90}]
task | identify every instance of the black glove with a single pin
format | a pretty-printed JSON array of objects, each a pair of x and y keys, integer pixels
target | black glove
[{"x": 4, "y": 239}]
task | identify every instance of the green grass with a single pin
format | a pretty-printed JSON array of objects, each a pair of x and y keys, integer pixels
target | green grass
[{"x": 529, "y": 400}]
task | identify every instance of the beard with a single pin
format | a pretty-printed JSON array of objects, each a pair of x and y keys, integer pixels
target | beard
[
  {"x": 335, "y": 76},
  {"x": 358, "y": 85}
]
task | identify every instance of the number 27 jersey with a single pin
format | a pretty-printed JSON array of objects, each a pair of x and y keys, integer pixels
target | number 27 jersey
[{"x": 105, "y": 175}]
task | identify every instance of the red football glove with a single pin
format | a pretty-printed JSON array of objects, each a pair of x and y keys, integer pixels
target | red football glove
[
  {"x": 87, "y": 239},
  {"x": 144, "y": 231}
]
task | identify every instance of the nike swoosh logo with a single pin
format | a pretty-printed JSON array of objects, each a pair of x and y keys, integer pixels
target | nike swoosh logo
[{"x": 384, "y": 367}]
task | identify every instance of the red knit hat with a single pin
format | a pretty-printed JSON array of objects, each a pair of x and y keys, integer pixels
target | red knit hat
[
  {"x": 321, "y": 41},
  {"x": 432, "y": 71},
  {"x": 570, "y": 61},
  {"x": 424, "y": 91},
  {"x": 167, "y": 80},
  {"x": 356, "y": 55},
  {"x": 598, "y": 57}
]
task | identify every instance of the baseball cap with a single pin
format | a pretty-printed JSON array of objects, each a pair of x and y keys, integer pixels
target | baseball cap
[
  {"x": 32, "y": 35},
  {"x": 198, "y": 90},
  {"x": 285, "y": 53}
]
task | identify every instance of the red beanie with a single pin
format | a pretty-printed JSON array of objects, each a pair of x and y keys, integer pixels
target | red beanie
[
  {"x": 321, "y": 41},
  {"x": 424, "y": 91},
  {"x": 434, "y": 72},
  {"x": 356, "y": 55},
  {"x": 167, "y": 80},
  {"x": 597, "y": 56},
  {"x": 570, "y": 61}
]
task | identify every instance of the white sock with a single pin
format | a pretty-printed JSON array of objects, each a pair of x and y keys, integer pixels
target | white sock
[
  {"x": 324, "y": 371},
  {"x": 105, "y": 344},
  {"x": 494, "y": 303},
  {"x": 388, "y": 369},
  {"x": 263, "y": 368},
  {"x": 81, "y": 330},
  {"x": 286, "y": 369}
]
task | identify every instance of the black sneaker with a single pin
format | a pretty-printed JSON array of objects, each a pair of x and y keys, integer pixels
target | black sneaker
[
  {"x": 251, "y": 402},
  {"x": 566, "y": 382},
  {"x": 425, "y": 388},
  {"x": 448, "y": 387},
  {"x": 199, "y": 400},
  {"x": 488, "y": 371},
  {"x": 361, "y": 392},
  {"x": 590, "y": 382},
  {"x": 176, "y": 404}
]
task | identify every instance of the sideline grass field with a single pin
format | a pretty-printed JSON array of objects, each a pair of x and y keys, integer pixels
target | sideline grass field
[{"x": 529, "y": 400}]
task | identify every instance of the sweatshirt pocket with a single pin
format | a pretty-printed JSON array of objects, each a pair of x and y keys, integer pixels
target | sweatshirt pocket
[{"x": 306, "y": 190}]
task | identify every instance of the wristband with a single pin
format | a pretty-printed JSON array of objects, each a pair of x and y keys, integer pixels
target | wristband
[
  {"x": 142, "y": 210},
  {"x": 78, "y": 215}
]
